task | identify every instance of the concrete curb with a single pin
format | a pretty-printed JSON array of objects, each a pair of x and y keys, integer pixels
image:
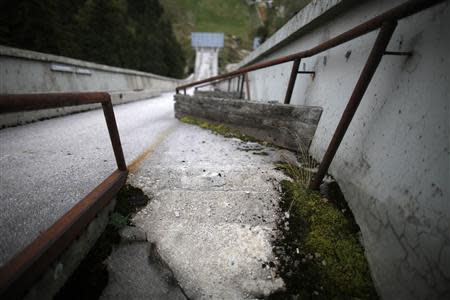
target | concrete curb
[{"x": 287, "y": 126}]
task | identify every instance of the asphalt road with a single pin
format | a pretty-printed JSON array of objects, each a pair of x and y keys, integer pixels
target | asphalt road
[{"x": 47, "y": 166}]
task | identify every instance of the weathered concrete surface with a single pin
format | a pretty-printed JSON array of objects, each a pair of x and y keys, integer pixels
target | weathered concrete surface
[
  {"x": 61, "y": 270},
  {"x": 212, "y": 214},
  {"x": 136, "y": 272},
  {"x": 46, "y": 167},
  {"x": 287, "y": 126},
  {"x": 23, "y": 71},
  {"x": 130, "y": 234},
  {"x": 217, "y": 94},
  {"x": 393, "y": 163}
]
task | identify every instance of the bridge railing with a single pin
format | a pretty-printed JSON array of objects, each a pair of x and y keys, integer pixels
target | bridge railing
[
  {"x": 19, "y": 274},
  {"x": 386, "y": 23}
]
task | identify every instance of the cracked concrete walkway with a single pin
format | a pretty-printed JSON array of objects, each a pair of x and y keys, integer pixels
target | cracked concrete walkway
[{"x": 212, "y": 214}]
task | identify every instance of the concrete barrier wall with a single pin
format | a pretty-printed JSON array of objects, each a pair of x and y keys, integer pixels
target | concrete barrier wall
[
  {"x": 393, "y": 164},
  {"x": 289, "y": 126},
  {"x": 23, "y": 71}
]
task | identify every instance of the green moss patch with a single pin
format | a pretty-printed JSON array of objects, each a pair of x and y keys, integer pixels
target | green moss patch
[
  {"x": 319, "y": 249},
  {"x": 218, "y": 129},
  {"x": 91, "y": 276}
]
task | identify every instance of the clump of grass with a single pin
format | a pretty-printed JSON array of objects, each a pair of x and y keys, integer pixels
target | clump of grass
[
  {"x": 218, "y": 129},
  {"x": 300, "y": 168}
]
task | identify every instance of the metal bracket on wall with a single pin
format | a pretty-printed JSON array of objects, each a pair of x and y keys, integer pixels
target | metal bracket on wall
[
  {"x": 312, "y": 73},
  {"x": 409, "y": 53}
]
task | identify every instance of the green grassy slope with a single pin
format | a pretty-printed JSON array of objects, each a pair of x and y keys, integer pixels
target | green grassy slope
[
  {"x": 233, "y": 17},
  {"x": 238, "y": 20}
]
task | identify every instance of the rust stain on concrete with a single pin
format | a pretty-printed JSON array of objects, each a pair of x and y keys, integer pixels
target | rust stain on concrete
[{"x": 134, "y": 165}]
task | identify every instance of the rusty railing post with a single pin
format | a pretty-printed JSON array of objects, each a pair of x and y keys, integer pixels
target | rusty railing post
[
  {"x": 290, "y": 89},
  {"x": 247, "y": 85},
  {"x": 114, "y": 134},
  {"x": 238, "y": 83},
  {"x": 241, "y": 89},
  {"x": 377, "y": 52},
  {"x": 19, "y": 273}
]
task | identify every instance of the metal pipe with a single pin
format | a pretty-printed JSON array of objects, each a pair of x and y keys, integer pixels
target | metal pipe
[
  {"x": 292, "y": 78},
  {"x": 18, "y": 274},
  {"x": 114, "y": 135},
  {"x": 211, "y": 83},
  {"x": 177, "y": 89},
  {"x": 247, "y": 85},
  {"x": 238, "y": 84},
  {"x": 375, "y": 56},
  {"x": 241, "y": 90},
  {"x": 25, "y": 102},
  {"x": 401, "y": 11}
]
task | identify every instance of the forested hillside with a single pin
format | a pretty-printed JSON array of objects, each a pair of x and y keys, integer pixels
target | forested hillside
[
  {"x": 233, "y": 17},
  {"x": 132, "y": 34},
  {"x": 240, "y": 20}
]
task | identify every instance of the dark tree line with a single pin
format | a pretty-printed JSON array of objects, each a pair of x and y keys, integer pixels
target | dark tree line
[{"x": 131, "y": 34}]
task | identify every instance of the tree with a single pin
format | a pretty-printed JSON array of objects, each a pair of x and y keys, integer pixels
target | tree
[
  {"x": 158, "y": 50},
  {"x": 102, "y": 31},
  {"x": 29, "y": 24},
  {"x": 132, "y": 34}
]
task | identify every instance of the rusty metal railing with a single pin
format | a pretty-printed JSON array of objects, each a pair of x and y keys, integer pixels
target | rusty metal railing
[
  {"x": 19, "y": 274},
  {"x": 386, "y": 23}
]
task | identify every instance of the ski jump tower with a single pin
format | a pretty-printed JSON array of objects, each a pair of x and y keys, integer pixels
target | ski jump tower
[{"x": 207, "y": 46}]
